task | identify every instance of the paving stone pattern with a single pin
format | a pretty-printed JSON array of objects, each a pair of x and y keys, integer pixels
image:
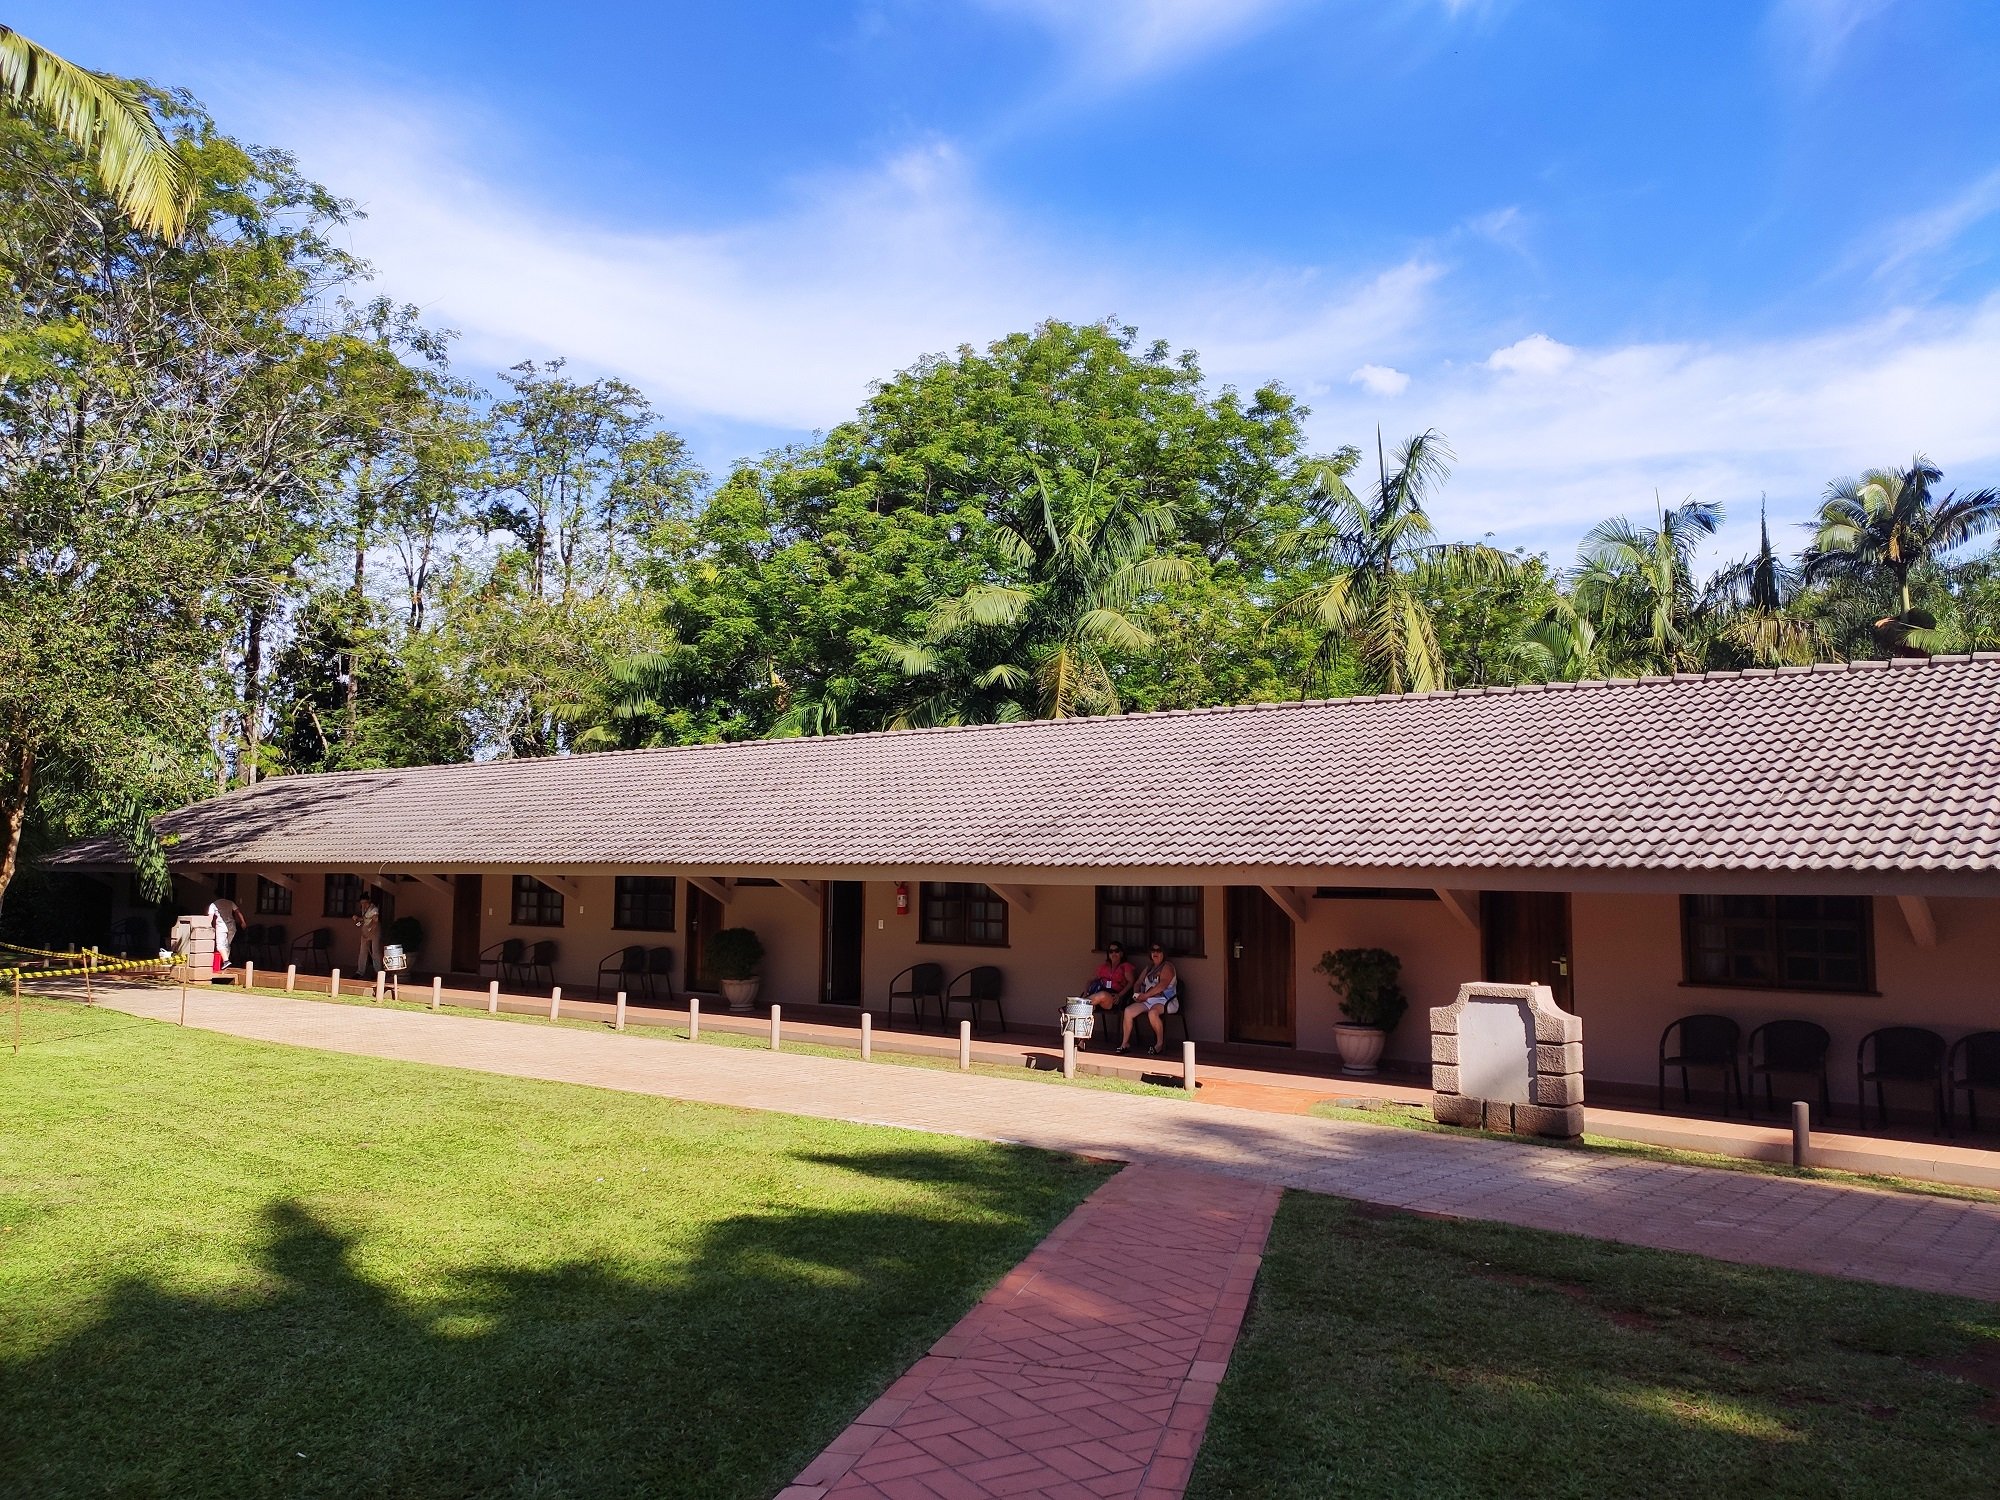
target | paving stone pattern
[
  {"x": 1088, "y": 1373},
  {"x": 1934, "y": 1244}
]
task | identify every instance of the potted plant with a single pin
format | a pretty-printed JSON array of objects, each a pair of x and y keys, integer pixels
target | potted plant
[
  {"x": 733, "y": 956},
  {"x": 1366, "y": 980}
]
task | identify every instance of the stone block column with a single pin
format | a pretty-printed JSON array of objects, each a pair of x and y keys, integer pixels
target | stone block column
[{"x": 1505, "y": 1057}]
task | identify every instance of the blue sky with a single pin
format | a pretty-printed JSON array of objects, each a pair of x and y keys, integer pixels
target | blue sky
[{"x": 1722, "y": 249}]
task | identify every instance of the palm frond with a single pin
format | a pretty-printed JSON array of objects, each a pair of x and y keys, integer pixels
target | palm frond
[{"x": 105, "y": 119}]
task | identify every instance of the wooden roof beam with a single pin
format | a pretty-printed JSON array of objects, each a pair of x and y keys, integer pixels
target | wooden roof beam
[
  {"x": 808, "y": 891},
  {"x": 1295, "y": 901},
  {"x": 714, "y": 889},
  {"x": 1015, "y": 896}
]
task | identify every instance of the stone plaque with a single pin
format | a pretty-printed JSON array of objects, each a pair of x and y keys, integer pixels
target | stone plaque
[
  {"x": 1496, "y": 1050},
  {"x": 1505, "y": 1057}
]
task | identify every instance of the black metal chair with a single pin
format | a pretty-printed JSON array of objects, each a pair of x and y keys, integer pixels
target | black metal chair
[
  {"x": 916, "y": 984},
  {"x": 660, "y": 965},
  {"x": 1901, "y": 1054},
  {"x": 982, "y": 986},
  {"x": 629, "y": 964},
  {"x": 1972, "y": 1064},
  {"x": 1704, "y": 1041},
  {"x": 505, "y": 958},
  {"x": 1795, "y": 1049},
  {"x": 249, "y": 944},
  {"x": 275, "y": 943},
  {"x": 315, "y": 947},
  {"x": 541, "y": 959}
]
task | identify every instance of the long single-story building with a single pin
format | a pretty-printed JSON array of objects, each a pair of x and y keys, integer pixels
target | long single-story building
[{"x": 1821, "y": 843}]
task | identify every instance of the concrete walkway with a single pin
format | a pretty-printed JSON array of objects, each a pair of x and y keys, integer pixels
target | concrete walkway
[
  {"x": 1088, "y": 1373},
  {"x": 1929, "y": 1243}
]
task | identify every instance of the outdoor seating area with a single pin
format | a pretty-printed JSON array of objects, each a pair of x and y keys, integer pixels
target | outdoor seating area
[{"x": 1912, "y": 1059}]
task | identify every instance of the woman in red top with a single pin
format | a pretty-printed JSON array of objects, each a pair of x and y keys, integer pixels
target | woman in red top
[{"x": 1111, "y": 986}]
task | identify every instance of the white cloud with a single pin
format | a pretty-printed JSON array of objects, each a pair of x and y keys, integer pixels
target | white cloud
[
  {"x": 1813, "y": 34},
  {"x": 1537, "y": 354},
  {"x": 1381, "y": 380},
  {"x": 1915, "y": 236},
  {"x": 1135, "y": 38}
]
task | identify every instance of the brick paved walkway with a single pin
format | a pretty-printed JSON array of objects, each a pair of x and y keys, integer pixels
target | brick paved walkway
[
  {"x": 1088, "y": 1372},
  {"x": 1934, "y": 1244}
]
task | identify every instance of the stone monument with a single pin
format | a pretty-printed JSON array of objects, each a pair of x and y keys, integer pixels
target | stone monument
[{"x": 1505, "y": 1057}]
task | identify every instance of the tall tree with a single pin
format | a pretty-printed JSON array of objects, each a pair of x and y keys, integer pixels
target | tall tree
[
  {"x": 1636, "y": 585},
  {"x": 1889, "y": 522},
  {"x": 109, "y": 121},
  {"x": 1384, "y": 567},
  {"x": 1757, "y": 605}
]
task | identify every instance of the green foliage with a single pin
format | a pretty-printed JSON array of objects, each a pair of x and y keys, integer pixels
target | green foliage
[
  {"x": 734, "y": 953},
  {"x": 406, "y": 933},
  {"x": 1368, "y": 982}
]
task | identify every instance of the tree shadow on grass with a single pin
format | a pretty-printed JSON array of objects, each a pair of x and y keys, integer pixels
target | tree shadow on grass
[{"x": 717, "y": 1371}]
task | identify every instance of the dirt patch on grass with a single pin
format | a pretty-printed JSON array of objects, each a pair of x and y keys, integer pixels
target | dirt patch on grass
[{"x": 1623, "y": 1317}]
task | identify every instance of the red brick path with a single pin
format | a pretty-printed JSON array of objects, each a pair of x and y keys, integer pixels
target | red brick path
[{"x": 1087, "y": 1373}]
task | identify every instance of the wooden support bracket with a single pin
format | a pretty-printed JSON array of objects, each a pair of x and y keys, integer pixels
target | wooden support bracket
[
  {"x": 1293, "y": 900},
  {"x": 289, "y": 882},
  {"x": 1918, "y": 918},
  {"x": 1463, "y": 905},
  {"x": 808, "y": 891},
  {"x": 712, "y": 888},
  {"x": 564, "y": 882},
  {"x": 1015, "y": 896}
]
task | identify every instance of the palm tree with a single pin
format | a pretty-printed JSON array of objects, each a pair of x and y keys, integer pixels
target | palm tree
[
  {"x": 1886, "y": 523},
  {"x": 1564, "y": 646},
  {"x": 1386, "y": 563},
  {"x": 1755, "y": 603},
  {"x": 106, "y": 119},
  {"x": 1078, "y": 560},
  {"x": 1636, "y": 586}
]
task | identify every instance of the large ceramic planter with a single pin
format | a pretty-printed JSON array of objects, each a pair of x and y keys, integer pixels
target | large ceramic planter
[
  {"x": 742, "y": 994},
  {"x": 1360, "y": 1047}
]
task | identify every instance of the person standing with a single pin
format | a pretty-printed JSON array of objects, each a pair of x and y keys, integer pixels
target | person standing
[
  {"x": 368, "y": 917},
  {"x": 225, "y": 919}
]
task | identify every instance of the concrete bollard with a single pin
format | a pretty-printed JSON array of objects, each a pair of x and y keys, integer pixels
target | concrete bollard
[
  {"x": 555, "y": 1001},
  {"x": 1069, "y": 1054},
  {"x": 694, "y": 1019},
  {"x": 867, "y": 1036},
  {"x": 493, "y": 998},
  {"x": 381, "y": 984},
  {"x": 333, "y": 984},
  {"x": 291, "y": 978},
  {"x": 964, "y": 1045},
  {"x": 618, "y": 1024},
  {"x": 774, "y": 1028},
  {"x": 249, "y": 976},
  {"x": 437, "y": 991},
  {"x": 1187, "y": 1066},
  {"x": 1801, "y": 1133}
]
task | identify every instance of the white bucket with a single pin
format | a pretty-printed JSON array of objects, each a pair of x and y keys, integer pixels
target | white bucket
[{"x": 394, "y": 959}]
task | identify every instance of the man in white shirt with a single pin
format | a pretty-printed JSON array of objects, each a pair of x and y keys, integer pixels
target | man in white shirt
[
  {"x": 225, "y": 917},
  {"x": 368, "y": 917}
]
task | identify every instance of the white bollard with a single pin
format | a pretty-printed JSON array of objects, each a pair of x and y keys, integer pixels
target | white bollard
[
  {"x": 1801, "y": 1133},
  {"x": 1187, "y": 1066},
  {"x": 964, "y": 1045},
  {"x": 867, "y": 1036},
  {"x": 619, "y": 1023},
  {"x": 774, "y": 1028},
  {"x": 381, "y": 983},
  {"x": 1069, "y": 1054},
  {"x": 437, "y": 990},
  {"x": 291, "y": 978},
  {"x": 249, "y": 976},
  {"x": 333, "y": 984},
  {"x": 555, "y": 1001},
  {"x": 493, "y": 998},
  {"x": 694, "y": 1019}
]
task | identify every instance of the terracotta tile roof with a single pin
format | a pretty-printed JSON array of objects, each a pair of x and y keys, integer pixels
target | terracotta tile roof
[{"x": 1856, "y": 768}]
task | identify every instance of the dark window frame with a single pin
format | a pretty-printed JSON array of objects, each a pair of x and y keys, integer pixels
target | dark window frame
[
  {"x": 634, "y": 900},
  {"x": 1692, "y": 920},
  {"x": 340, "y": 896},
  {"x": 1372, "y": 893},
  {"x": 949, "y": 904},
  {"x": 273, "y": 900},
  {"x": 1136, "y": 938},
  {"x": 225, "y": 885},
  {"x": 537, "y": 899}
]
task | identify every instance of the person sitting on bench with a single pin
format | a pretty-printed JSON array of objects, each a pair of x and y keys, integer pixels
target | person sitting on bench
[
  {"x": 1111, "y": 986},
  {"x": 1159, "y": 982}
]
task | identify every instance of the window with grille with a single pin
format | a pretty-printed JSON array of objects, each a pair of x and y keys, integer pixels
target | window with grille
[
  {"x": 535, "y": 904},
  {"x": 960, "y": 912},
  {"x": 1779, "y": 942},
  {"x": 1137, "y": 916},
  {"x": 644, "y": 903},
  {"x": 273, "y": 900},
  {"x": 343, "y": 894}
]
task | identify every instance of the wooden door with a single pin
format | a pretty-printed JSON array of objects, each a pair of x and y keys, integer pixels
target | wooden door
[
  {"x": 1259, "y": 969},
  {"x": 467, "y": 907},
  {"x": 840, "y": 955},
  {"x": 1525, "y": 935},
  {"x": 704, "y": 921}
]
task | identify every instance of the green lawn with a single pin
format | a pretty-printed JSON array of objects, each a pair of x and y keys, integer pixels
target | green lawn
[
  {"x": 1391, "y": 1354},
  {"x": 228, "y": 1268}
]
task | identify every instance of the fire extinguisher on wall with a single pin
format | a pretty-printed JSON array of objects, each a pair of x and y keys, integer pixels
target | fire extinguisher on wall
[{"x": 902, "y": 898}]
